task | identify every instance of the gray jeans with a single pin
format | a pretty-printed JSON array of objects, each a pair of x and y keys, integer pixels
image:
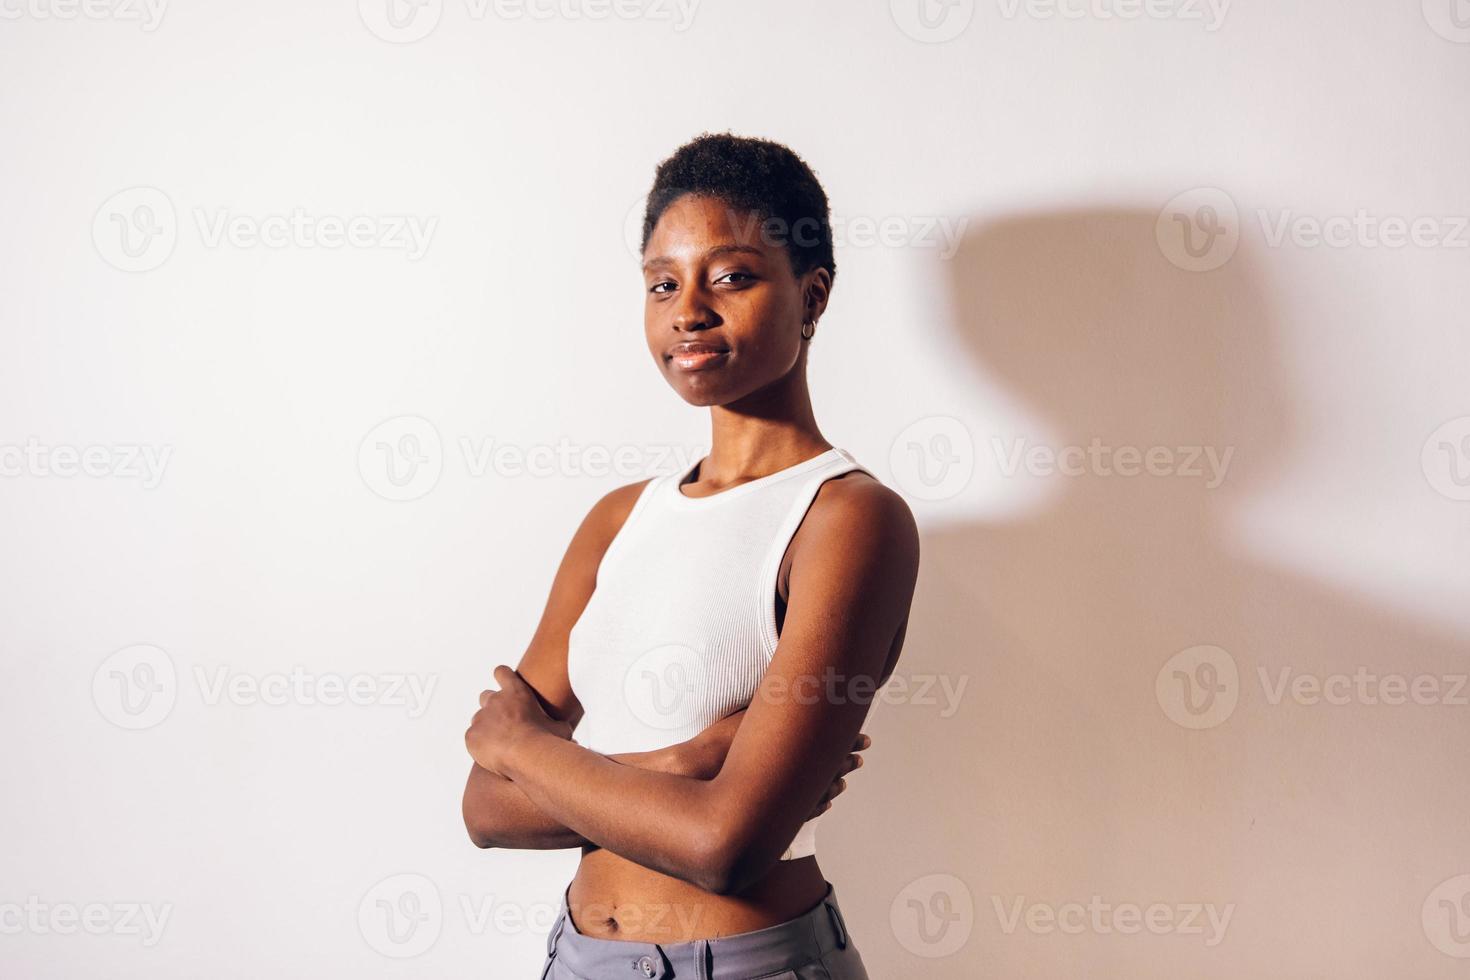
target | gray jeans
[{"x": 813, "y": 946}]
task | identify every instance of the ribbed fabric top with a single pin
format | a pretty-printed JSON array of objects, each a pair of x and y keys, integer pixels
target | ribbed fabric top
[{"x": 682, "y": 623}]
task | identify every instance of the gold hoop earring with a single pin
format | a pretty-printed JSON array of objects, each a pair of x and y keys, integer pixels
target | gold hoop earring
[{"x": 808, "y": 334}]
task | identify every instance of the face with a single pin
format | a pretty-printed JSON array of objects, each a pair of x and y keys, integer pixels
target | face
[{"x": 723, "y": 309}]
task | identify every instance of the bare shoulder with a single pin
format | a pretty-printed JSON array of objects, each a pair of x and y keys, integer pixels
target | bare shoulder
[
  {"x": 861, "y": 511},
  {"x": 858, "y": 539},
  {"x": 602, "y": 523},
  {"x": 610, "y": 512},
  {"x": 855, "y": 562},
  {"x": 544, "y": 663}
]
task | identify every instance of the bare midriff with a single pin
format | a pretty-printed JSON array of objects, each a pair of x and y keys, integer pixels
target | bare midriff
[{"x": 612, "y": 898}]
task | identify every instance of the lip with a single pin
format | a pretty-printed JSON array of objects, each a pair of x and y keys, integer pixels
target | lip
[
  {"x": 697, "y": 355},
  {"x": 699, "y": 361}
]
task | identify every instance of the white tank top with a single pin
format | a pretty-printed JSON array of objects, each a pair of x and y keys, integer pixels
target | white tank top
[{"x": 682, "y": 622}]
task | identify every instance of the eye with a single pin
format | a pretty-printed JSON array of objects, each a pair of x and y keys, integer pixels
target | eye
[
  {"x": 742, "y": 275},
  {"x": 655, "y": 287}
]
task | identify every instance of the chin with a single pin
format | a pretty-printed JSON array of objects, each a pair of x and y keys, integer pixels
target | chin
[{"x": 701, "y": 397}]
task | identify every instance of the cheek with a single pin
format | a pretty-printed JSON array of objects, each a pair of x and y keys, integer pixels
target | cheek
[
  {"x": 653, "y": 331},
  {"x": 774, "y": 328}
]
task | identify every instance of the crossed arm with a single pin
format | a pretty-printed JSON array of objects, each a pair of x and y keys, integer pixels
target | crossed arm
[
  {"x": 850, "y": 589},
  {"x": 498, "y": 813}
]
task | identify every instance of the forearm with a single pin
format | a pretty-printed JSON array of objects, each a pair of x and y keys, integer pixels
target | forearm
[
  {"x": 498, "y": 813},
  {"x": 608, "y": 805}
]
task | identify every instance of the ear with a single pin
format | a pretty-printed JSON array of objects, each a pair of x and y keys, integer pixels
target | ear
[{"x": 816, "y": 289}]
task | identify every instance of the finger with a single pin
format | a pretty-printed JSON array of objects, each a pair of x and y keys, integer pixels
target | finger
[
  {"x": 852, "y": 762},
  {"x": 484, "y": 697},
  {"x": 825, "y": 803},
  {"x": 835, "y": 787},
  {"x": 862, "y": 741},
  {"x": 505, "y": 676}
]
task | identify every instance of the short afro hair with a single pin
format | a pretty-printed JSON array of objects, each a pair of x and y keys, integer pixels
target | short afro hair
[{"x": 755, "y": 175}]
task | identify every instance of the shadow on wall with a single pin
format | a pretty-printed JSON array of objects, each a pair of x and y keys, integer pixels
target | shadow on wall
[{"x": 1281, "y": 837}]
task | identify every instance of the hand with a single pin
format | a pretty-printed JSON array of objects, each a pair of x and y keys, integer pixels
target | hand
[
  {"x": 853, "y": 761},
  {"x": 706, "y": 753},
  {"x": 505, "y": 717}
]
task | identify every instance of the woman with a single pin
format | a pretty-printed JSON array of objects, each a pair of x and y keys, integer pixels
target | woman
[{"x": 705, "y": 748}]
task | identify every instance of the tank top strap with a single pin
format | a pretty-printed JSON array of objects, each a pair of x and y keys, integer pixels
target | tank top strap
[
  {"x": 801, "y": 501},
  {"x": 648, "y": 493}
]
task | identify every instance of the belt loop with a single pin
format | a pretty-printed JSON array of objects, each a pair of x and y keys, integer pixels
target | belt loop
[
  {"x": 704, "y": 967},
  {"x": 838, "y": 926}
]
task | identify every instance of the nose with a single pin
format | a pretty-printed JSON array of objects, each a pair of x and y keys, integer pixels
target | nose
[{"x": 692, "y": 310}]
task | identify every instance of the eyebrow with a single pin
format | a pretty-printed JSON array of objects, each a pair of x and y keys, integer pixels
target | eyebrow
[{"x": 664, "y": 260}]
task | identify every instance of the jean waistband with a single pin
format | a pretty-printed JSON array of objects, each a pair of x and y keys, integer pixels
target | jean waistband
[{"x": 784, "y": 946}]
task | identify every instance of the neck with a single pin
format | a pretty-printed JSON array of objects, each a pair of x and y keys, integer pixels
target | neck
[{"x": 765, "y": 431}]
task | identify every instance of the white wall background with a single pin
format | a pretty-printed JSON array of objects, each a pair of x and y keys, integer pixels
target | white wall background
[{"x": 1049, "y": 143}]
